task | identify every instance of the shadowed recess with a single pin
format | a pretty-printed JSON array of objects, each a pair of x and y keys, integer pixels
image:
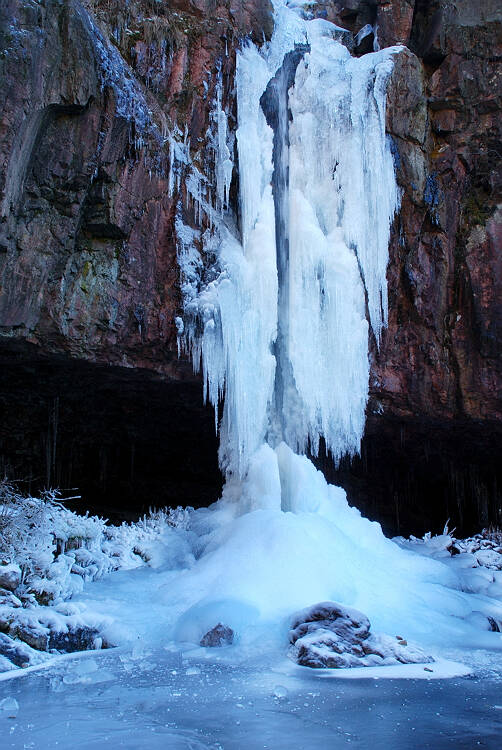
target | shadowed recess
[{"x": 124, "y": 439}]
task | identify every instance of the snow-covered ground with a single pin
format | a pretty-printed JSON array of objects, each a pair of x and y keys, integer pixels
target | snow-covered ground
[
  {"x": 166, "y": 581},
  {"x": 171, "y": 578}
]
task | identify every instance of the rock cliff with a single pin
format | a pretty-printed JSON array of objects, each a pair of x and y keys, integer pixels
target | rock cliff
[{"x": 92, "y": 390}]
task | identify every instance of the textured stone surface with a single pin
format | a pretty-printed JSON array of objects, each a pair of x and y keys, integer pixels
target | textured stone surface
[
  {"x": 87, "y": 257},
  {"x": 10, "y": 576},
  {"x": 16, "y": 653},
  {"x": 220, "y": 635},
  {"x": 441, "y": 355},
  {"x": 328, "y": 635},
  {"x": 433, "y": 430}
]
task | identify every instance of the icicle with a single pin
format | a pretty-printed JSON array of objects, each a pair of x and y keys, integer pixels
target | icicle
[{"x": 337, "y": 205}]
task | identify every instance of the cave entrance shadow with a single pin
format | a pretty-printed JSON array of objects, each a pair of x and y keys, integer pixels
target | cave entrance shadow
[
  {"x": 415, "y": 474},
  {"x": 124, "y": 439}
]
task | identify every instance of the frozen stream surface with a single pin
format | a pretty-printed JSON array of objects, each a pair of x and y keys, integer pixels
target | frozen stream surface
[{"x": 166, "y": 698}]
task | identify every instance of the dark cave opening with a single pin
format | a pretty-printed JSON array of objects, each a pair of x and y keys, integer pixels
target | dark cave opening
[
  {"x": 415, "y": 474},
  {"x": 123, "y": 439},
  {"x": 126, "y": 440}
]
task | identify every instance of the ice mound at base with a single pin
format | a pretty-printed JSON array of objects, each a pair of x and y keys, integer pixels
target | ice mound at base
[{"x": 283, "y": 539}]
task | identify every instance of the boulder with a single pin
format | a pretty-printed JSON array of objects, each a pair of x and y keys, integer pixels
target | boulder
[
  {"x": 81, "y": 638},
  {"x": 220, "y": 635},
  {"x": 329, "y": 635}
]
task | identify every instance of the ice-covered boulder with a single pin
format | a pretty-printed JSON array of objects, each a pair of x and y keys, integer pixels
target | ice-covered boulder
[
  {"x": 14, "y": 653},
  {"x": 10, "y": 576},
  {"x": 220, "y": 635},
  {"x": 8, "y": 599},
  {"x": 328, "y": 635}
]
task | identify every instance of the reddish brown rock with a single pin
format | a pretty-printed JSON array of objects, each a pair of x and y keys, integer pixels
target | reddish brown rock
[
  {"x": 88, "y": 270},
  {"x": 394, "y": 21},
  {"x": 445, "y": 126},
  {"x": 433, "y": 432},
  {"x": 88, "y": 263}
]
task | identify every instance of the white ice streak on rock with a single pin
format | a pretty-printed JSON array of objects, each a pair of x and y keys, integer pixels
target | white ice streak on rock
[
  {"x": 223, "y": 161},
  {"x": 114, "y": 72}
]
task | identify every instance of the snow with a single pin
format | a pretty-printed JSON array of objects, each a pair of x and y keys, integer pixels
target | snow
[
  {"x": 249, "y": 564},
  {"x": 55, "y": 553},
  {"x": 439, "y": 670}
]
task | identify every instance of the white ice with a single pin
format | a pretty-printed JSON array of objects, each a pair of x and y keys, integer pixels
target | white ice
[{"x": 342, "y": 197}]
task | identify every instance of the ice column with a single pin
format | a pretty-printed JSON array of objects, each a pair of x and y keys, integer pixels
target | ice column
[{"x": 281, "y": 327}]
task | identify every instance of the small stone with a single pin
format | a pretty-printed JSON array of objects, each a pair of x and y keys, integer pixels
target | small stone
[
  {"x": 494, "y": 625},
  {"x": 10, "y": 576},
  {"x": 220, "y": 635},
  {"x": 402, "y": 642},
  {"x": 428, "y": 669}
]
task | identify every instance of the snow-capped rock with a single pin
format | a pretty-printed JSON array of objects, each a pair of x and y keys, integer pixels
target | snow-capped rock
[
  {"x": 10, "y": 576},
  {"x": 333, "y": 636}
]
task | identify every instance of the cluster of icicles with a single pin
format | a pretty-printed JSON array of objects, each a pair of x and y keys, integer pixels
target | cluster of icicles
[{"x": 335, "y": 211}]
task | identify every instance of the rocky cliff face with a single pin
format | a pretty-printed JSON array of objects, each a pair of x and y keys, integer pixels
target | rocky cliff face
[
  {"x": 88, "y": 276},
  {"x": 433, "y": 431}
]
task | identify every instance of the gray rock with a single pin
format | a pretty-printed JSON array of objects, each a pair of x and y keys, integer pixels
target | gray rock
[
  {"x": 328, "y": 635},
  {"x": 10, "y": 576},
  {"x": 36, "y": 637},
  {"x": 17, "y": 654},
  {"x": 76, "y": 639},
  {"x": 220, "y": 635}
]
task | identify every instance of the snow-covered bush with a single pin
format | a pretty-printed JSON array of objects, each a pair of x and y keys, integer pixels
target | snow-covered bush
[
  {"x": 47, "y": 552},
  {"x": 37, "y": 533},
  {"x": 57, "y": 549}
]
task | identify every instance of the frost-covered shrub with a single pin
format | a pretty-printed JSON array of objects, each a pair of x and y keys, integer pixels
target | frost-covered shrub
[
  {"x": 57, "y": 549},
  {"x": 34, "y": 534}
]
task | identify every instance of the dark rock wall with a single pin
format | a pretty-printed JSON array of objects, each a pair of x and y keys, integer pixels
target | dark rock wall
[
  {"x": 433, "y": 433},
  {"x": 89, "y": 90},
  {"x": 88, "y": 275}
]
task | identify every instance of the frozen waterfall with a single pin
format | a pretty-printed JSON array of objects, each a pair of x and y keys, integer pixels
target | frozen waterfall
[
  {"x": 282, "y": 328},
  {"x": 279, "y": 306}
]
